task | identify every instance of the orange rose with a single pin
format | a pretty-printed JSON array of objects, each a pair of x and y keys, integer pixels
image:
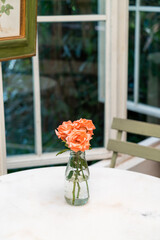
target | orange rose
[
  {"x": 78, "y": 140},
  {"x": 64, "y": 130},
  {"x": 84, "y": 124}
]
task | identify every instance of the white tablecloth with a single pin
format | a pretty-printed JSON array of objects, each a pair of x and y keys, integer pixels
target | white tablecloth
[{"x": 123, "y": 206}]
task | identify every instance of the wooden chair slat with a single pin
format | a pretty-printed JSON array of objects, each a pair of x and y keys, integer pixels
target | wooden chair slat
[
  {"x": 132, "y": 126},
  {"x": 134, "y": 149}
]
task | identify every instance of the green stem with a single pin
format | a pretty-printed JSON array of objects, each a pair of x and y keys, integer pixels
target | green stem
[
  {"x": 78, "y": 189},
  {"x": 87, "y": 187},
  {"x": 85, "y": 179},
  {"x": 77, "y": 160},
  {"x": 76, "y": 178},
  {"x": 74, "y": 186}
]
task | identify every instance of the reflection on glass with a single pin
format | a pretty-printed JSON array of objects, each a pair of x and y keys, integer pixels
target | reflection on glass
[
  {"x": 150, "y": 59},
  {"x": 18, "y": 103},
  {"x": 150, "y": 2},
  {"x": 70, "y": 7},
  {"x": 132, "y": 2},
  {"x": 131, "y": 55},
  {"x": 69, "y": 78}
]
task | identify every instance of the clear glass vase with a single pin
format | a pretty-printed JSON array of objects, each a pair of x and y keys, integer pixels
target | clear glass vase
[{"x": 76, "y": 179}]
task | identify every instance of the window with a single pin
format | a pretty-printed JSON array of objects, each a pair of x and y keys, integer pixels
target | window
[
  {"x": 76, "y": 73},
  {"x": 144, "y": 59}
]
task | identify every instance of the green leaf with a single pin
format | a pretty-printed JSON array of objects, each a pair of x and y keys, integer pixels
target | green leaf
[
  {"x": 8, "y": 6},
  {"x": 3, "y": 1},
  {"x": 64, "y": 150},
  {"x": 3, "y": 9},
  {"x": 70, "y": 175},
  {"x": 66, "y": 145},
  {"x": 7, "y": 11},
  {"x": 84, "y": 163},
  {"x": 73, "y": 164}
]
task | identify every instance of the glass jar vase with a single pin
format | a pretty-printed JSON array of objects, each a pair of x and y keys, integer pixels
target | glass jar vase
[{"x": 76, "y": 179}]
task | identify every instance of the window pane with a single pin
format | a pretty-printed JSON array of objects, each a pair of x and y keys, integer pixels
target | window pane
[
  {"x": 70, "y": 7},
  {"x": 150, "y": 2},
  {"x": 131, "y": 55},
  {"x": 150, "y": 59},
  {"x": 69, "y": 78},
  {"x": 18, "y": 103},
  {"x": 132, "y": 2}
]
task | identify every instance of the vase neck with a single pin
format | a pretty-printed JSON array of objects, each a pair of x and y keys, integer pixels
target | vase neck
[{"x": 78, "y": 154}]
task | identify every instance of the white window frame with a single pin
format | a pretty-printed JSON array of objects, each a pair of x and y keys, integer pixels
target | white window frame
[
  {"x": 134, "y": 105},
  {"x": 3, "y": 162},
  {"x": 116, "y": 65}
]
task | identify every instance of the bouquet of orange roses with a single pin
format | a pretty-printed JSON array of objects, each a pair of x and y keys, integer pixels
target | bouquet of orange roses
[{"x": 76, "y": 136}]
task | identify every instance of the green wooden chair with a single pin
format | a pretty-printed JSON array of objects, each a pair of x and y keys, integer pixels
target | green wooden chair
[{"x": 133, "y": 149}]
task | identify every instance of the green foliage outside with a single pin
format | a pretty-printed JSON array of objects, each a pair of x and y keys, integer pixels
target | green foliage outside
[
  {"x": 74, "y": 95},
  {"x": 18, "y": 104},
  {"x": 69, "y": 7},
  {"x": 68, "y": 64},
  {"x": 75, "y": 85}
]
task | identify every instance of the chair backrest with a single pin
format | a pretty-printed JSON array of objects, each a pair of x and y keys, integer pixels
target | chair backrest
[{"x": 133, "y": 149}]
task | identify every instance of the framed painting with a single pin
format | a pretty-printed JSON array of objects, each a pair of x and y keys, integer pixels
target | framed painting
[{"x": 18, "y": 23}]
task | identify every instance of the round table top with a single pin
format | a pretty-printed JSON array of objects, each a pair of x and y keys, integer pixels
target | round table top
[{"x": 123, "y": 205}]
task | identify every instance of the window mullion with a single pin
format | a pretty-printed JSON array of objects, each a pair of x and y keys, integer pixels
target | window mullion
[
  {"x": 149, "y": 9},
  {"x": 143, "y": 109},
  {"x": 137, "y": 52},
  {"x": 112, "y": 63},
  {"x": 107, "y": 121},
  {"x": 72, "y": 18},
  {"x": 37, "y": 105},
  {"x": 116, "y": 62},
  {"x": 122, "y": 58},
  {"x": 3, "y": 163}
]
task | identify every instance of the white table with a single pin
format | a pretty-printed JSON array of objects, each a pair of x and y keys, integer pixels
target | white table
[{"x": 123, "y": 206}]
